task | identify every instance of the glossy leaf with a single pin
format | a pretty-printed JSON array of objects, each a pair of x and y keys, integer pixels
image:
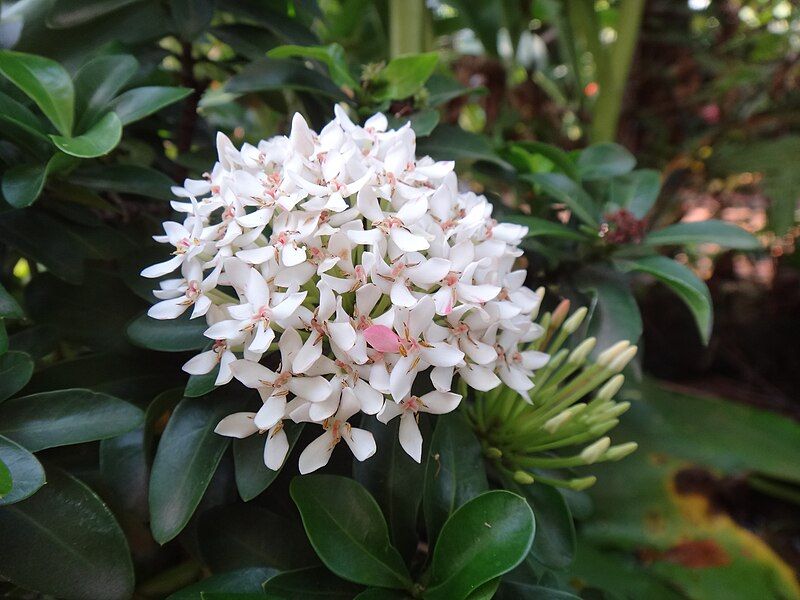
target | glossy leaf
[
  {"x": 636, "y": 191},
  {"x": 138, "y": 103},
  {"x": 485, "y": 538},
  {"x": 45, "y": 82},
  {"x": 711, "y": 231},
  {"x": 270, "y": 74},
  {"x": 9, "y": 307},
  {"x": 127, "y": 179},
  {"x": 16, "y": 369},
  {"x": 176, "y": 335},
  {"x": 191, "y": 17},
  {"x": 454, "y": 472},
  {"x": 564, "y": 190},
  {"x": 331, "y": 55},
  {"x": 200, "y": 385},
  {"x": 422, "y": 122},
  {"x": 71, "y": 13},
  {"x": 246, "y": 535},
  {"x": 382, "y": 594},
  {"x": 554, "y": 542},
  {"x": 513, "y": 590},
  {"x": 448, "y": 142},
  {"x": 22, "y": 184},
  {"x": 404, "y": 76},
  {"x": 252, "y": 475},
  {"x": 100, "y": 139},
  {"x": 683, "y": 282},
  {"x": 64, "y": 417},
  {"x": 605, "y": 160},
  {"x": 63, "y": 541},
  {"x": 315, "y": 582},
  {"x": 395, "y": 480},
  {"x": 555, "y": 155},
  {"x": 27, "y": 475},
  {"x": 348, "y": 531},
  {"x": 97, "y": 82},
  {"x": 544, "y": 228},
  {"x": 19, "y": 125},
  {"x": 613, "y": 311},
  {"x": 5, "y": 479},
  {"x": 187, "y": 457},
  {"x": 25, "y": 231},
  {"x": 243, "y": 581}
]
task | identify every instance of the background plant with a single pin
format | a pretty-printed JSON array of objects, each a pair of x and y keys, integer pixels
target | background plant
[{"x": 111, "y": 103}]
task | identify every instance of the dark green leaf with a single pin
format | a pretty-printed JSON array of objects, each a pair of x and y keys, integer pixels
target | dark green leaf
[
  {"x": 422, "y": 122},
  {"x": 404, "y": 76},
  {"x": 127, "y": 179},
  {"x": 485, "y": 538},
  {"x": 442, "y": 89},
  {"x": 97, "y": 82},
  {"x": 316, "y": 582},
  {"x": 395, "y": 480},
  {"x": 9, "y": 307},
  {"x": 485, "y": 591},
  {"x": 554, "y": 543},
  {"x": 348, "y": 531},
  {"x": 16, "y": 369},
  {"x": 71, "y": 13},
  {"x": 555, "y": 155},
  {"x": 243, "y": 581},
  {"x": 22, "y": 184},
  {"x": 27, "y": 475},
  {"x": 544, "y": 228},
  {"x": 175, "y": 335},
  {"x": 246, "y": 535},
  {"x": 252, "y": 475},
  {"x": 613, "y": 313},
  {"x": 187, "y": 457},
  {"x": 712, "y": 231},
  {"x": 139, "y": 103},
  {"x": 19, "y": 125},
  {"x": 563, "y": 189},
  {"x": 45, "y": 82},
  {"x": 512, "y": 590},
  {"x": 5, "y": 478},
  {"x": 248, "y": 41},
  {"x": 100, "y": 139},
  {"x": 277, "y": 74},
  {"x": 605, "y": 160},
  {"x": 42, "y": 238},
  {"x": 448, "y": 142},
  {"x": 331, "y": 55},
  {"x": 66, "y": 417},
  {"x": 191, "y": 17},
  {"x": 683, "y": 282},
  {"x": 454, "y": 472},
  {"x": 200, "y": 385},
  {"x": 63, "y": 541},
  {"x": 3, "y": 337},
  {"x": 382, "y": 594},
  {"x": 637, "y": 191}
]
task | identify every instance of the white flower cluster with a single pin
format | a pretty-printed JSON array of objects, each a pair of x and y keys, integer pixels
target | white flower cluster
[{"x": 364, "y": 266}]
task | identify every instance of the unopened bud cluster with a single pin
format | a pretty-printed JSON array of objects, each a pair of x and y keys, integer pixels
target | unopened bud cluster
[{"x": 571, "y": 409}]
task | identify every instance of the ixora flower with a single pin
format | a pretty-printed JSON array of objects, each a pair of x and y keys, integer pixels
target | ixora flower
[{"x": 340, "y": 274}]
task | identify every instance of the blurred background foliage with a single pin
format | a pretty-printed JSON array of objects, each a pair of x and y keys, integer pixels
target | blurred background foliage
[{"x": 631, "y": 135}]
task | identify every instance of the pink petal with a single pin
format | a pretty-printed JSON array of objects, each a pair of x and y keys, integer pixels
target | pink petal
[{"x": 382, "y": 338}]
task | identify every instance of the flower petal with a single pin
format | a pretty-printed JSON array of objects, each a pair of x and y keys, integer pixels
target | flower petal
[{"x": 238, "y": 425}]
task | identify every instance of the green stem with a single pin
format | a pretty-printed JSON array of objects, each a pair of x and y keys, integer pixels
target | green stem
[{"x": 410, "y": 27}]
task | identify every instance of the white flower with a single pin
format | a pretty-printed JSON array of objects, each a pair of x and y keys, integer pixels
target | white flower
[{"x": 379, "y": 278}]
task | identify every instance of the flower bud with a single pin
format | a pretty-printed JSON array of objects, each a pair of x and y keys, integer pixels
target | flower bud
[
  {"x": 579, "y": 354},
  {"x": 493, "y": 453},
  {"x": 572, "y": 324},
  {"x": 609, "y": 354},
  {"x": 621, "y": 451},
  {"x": 582, "y": 483},
  {"x": 621, "y": 361},
  {"x": 523, "y": 477},
  {"x": 593, "y": 452},
  {"x": 610, "y": 388},
  {"x": 559, "y": 314},
  {"x": 554, "y": 423}
]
